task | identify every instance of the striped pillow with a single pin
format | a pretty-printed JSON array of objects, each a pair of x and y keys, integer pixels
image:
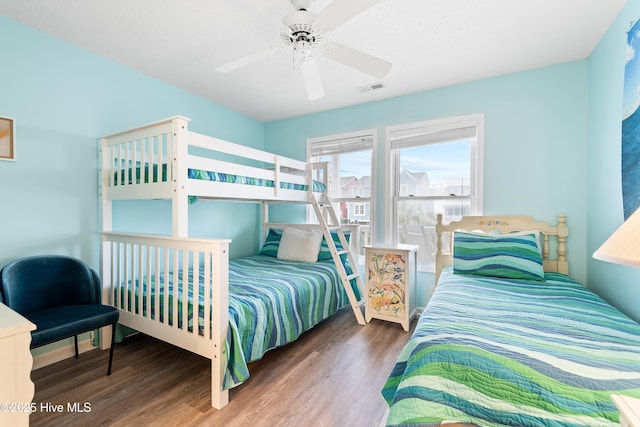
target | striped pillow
[
  {"x": 271, "y": 243},
  {"x": 325, "y": 253},
  {"x": 512, "y": 257}
]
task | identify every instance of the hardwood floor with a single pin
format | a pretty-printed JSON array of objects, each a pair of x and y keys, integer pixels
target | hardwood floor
[{"x": 331, "y": 376}]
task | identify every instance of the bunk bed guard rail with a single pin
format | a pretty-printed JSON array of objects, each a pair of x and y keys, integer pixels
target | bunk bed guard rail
[{"x": 165, "y": 160}]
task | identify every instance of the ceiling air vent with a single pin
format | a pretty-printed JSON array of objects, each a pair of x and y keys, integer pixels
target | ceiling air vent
[{"x": 369, "y": 88}]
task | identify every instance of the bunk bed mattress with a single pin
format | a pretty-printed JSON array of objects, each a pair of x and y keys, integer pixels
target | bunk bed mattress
[
  {"x": 497, "y": 352},
  {"x": 271, "y": 303},
  {"x": 146, "y": 175}
]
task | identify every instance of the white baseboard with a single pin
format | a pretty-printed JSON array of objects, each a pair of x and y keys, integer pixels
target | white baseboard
[{"x": 61, "y": 353}]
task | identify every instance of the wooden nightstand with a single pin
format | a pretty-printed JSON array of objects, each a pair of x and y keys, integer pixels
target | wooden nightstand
[
  {"x": 391, "y": 283},
  {"x": 629, "y": 408}
]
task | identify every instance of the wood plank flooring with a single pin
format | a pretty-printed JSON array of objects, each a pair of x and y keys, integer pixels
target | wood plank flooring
[{"x": 331, "y": 376}]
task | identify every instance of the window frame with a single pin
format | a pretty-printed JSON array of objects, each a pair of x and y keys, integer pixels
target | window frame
[
  {"x": 392, "y": 161},
  {"x": 366, "y": 135}
]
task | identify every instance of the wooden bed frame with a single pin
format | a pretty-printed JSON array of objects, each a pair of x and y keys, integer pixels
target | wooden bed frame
[
  {"x": 554, "y": 242},
  {"x": 167, "y": 147},
  {"x": 554, "y": 237}
]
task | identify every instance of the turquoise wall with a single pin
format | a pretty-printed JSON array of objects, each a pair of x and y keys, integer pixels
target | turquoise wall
[
  {"x": 64, "y": 98},
  {"x": 535, "y": 143},
  {"x": 552, "y": 145},
  {"x": 619, "y": 285}
]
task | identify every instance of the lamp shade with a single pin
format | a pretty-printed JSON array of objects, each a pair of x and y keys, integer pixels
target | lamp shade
[{"x": 623, "y": 246}]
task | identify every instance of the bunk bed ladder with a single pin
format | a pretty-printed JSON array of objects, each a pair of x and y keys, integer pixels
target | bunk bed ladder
[{"x": 329, "y": 221}]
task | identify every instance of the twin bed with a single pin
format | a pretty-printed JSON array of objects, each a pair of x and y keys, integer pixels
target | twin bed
[
  {"x": 185, "y": 290},
  {"x": 502, "y": 342}
]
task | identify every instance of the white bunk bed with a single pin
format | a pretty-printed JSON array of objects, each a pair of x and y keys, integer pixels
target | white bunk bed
[{"x": 149, "y": 277}]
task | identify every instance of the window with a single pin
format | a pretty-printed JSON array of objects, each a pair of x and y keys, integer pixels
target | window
[
  {"x": 436, "y": 167},
  {"x": 351, "y": 159}
]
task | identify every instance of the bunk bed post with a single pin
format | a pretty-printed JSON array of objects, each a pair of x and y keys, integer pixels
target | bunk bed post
[
  {"x": 106, "y": 218},
  {"x": 439, "y": 255},
  {"x": 563, "y": 233},
  {"x": 179, "y": 169},
  {"x": 105, "y": 203},
  {"x": 264, "y": 212},
  {"x": 106, "y": 298},
  {"x": 276, "y": 181},
  {"x": 220, "y": 324}
]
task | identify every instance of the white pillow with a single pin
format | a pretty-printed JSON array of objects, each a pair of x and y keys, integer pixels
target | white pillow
[{"x": 300, "y": 244}]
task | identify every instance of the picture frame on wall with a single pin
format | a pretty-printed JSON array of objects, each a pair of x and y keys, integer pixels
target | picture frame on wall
[{"x": 7, "y": 139}]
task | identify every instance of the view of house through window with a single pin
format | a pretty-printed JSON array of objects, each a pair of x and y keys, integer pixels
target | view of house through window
[
  {"x": 350, "y": 158},
  {"x": 436, "y": 170}
]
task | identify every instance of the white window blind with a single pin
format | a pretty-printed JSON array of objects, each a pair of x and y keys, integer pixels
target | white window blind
[
  {"x": 416, "y": 137},
  {"x": 341, "y": 145}
]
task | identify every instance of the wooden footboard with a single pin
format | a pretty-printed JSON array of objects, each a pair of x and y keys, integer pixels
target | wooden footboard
[{"x": 167, "y": 287}]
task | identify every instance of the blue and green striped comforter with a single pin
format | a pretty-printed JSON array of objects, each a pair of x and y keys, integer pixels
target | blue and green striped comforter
[
  {"x": 271, "y": 303},
  {"x": 495, "y": 352}
]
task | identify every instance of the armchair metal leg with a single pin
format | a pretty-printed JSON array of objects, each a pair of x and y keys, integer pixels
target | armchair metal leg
[
  {"x": 75, "y": 342},
  {"x": 113, "y": 343}
]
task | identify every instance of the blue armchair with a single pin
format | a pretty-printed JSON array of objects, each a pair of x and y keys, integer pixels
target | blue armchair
[{"x": 60, "y": 295}]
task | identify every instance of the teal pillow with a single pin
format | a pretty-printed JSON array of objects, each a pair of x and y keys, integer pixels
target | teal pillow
[
  {"x": 512, "y": 257},
  {"x": 271, "y": 243},
  {"x": 325, "y": 253}
]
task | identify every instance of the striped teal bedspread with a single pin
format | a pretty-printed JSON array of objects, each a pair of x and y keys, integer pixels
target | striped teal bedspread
[
  {"x": 146, "y": 174},
  {"x": 317, "y": 186},
  {"x": 271, "y": 303},
  {"x": 495, "y": 352}
]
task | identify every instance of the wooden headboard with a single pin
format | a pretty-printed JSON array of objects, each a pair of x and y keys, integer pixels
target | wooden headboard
[{"x": 556, "y": 234}]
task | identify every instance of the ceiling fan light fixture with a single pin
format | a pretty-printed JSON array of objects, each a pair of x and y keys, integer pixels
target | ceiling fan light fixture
[{"x": 300, "y": 28}]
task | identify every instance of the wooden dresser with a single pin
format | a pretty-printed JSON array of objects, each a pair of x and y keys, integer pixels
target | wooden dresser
[{"x": 16, "y": 392}]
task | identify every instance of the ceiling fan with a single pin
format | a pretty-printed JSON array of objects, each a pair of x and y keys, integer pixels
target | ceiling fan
[{"x": 304, "y": 31}]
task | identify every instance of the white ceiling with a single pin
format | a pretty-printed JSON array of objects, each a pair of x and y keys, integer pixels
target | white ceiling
[{"x": 431, "y": 43}]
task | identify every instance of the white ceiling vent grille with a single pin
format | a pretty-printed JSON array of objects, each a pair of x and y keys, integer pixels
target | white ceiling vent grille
[{"x": 369, "y": 88}]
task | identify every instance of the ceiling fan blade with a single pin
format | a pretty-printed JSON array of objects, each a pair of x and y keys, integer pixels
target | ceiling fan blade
[
  {"x": 358, "y": 60},
  {"x": 246, "y": 60},
  {"x": 340, "y": 11},
  {"x": 312, "y": 78},
  {"x": 250, "y": 10}
]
